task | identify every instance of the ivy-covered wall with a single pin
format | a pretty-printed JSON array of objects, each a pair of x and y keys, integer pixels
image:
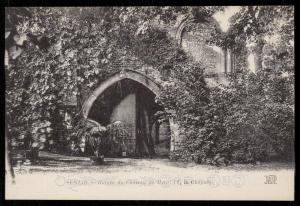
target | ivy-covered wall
[
  {"x": 199, "y": 48},
  {"x": 242, "y": 120}
]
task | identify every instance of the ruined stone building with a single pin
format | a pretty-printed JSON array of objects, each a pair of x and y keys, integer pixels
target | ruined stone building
[{"x": 128, "y": 96}]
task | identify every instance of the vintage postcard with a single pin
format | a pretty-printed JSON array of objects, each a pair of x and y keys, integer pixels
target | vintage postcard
[{"x": 150, "y": 103}]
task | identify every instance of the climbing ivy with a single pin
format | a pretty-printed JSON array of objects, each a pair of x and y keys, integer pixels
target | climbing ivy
[
  {"x": 248, "y": 120},
  {"x": 252, "y": 118}
]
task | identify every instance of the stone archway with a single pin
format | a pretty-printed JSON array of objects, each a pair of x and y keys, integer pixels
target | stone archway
[
  {"x": 188, "y": 20},
  {"x": 224, "y": 57},
  {"x": 127, "y": 75}
]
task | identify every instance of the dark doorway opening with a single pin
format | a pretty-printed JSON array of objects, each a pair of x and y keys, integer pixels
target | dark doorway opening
[{"x": 134, "y": 104}]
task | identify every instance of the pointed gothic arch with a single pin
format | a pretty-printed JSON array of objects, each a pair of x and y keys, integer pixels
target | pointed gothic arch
[
  {"x": 135, "y": 76},
  {"x": 126, "y": 74}
]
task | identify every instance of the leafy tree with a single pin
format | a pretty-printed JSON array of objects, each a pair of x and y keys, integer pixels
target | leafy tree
[
  {"x": 252, "y": 118},
  {"x": 88, "y": 42},
  {"x": 245, "y": 121}
]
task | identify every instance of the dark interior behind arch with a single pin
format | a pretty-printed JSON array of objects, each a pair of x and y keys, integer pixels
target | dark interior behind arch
[{"x": 133, "y": 103}]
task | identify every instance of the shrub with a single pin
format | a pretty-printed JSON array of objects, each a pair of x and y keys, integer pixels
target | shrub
[
  {"x": 242, "y": 125},
  {"x": 118, "y": 135}
]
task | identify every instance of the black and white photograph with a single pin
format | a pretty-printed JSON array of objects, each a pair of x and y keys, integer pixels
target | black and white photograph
[{"x": 149, "y": 103}]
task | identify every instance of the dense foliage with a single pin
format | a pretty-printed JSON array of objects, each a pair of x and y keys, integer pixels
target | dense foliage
[
  {"x": 252, "y": 118},
  {"x": 249, "y": 119}
]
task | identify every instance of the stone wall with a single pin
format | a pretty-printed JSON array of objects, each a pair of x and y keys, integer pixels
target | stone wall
[{"x": 194, "y": 40}]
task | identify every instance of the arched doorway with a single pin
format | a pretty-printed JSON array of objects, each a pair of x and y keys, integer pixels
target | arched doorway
[{"x": 129, "y": 97}]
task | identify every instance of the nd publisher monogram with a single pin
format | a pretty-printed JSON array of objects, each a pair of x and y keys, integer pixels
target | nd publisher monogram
[{"x": 271, "y": 179}]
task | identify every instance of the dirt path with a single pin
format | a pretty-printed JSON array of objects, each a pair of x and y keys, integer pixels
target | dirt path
[
  {"x": 58, "y": 175},
  {"x": 61, "y": 163}
]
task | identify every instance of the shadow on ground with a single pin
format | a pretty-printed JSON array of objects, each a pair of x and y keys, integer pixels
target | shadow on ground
[{"x": 50, "y": 162}]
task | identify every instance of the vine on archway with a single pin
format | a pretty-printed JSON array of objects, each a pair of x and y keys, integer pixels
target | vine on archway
[{"x": 89, "y": 45}]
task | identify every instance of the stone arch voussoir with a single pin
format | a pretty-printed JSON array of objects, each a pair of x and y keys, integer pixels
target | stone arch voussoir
[
  {"x": 127, "y": 74},
  {"x": 138, "y": 77}
]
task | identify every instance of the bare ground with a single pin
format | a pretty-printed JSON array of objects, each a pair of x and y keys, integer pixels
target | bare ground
[
  {"x": 50, "y": 162},
  {"x": 65, "y": 177}
]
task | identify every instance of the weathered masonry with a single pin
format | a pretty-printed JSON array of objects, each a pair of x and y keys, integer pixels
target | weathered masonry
[
  {"x": 193, "y": 37},
  {"x": 128, "y": 96}
]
